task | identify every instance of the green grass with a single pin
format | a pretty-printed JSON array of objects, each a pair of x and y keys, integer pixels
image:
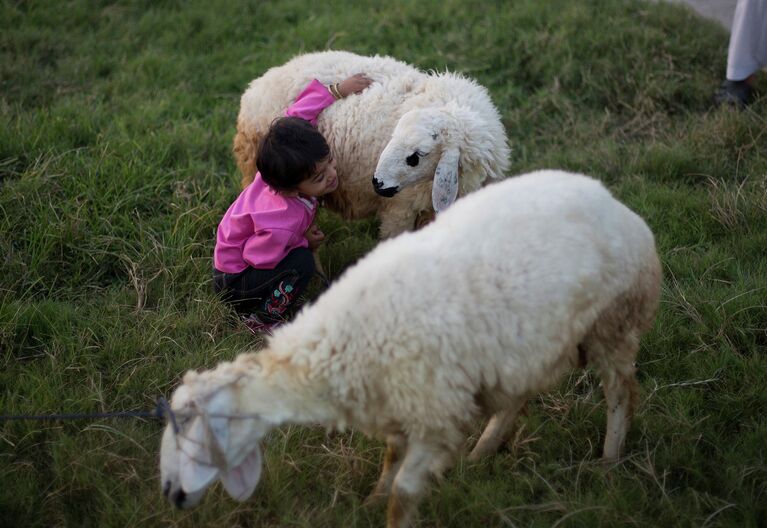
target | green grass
[{"x": 115, "y": 167}]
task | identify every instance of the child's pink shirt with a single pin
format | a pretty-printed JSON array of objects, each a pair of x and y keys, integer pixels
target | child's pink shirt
[{"x": 262, "y": 226}]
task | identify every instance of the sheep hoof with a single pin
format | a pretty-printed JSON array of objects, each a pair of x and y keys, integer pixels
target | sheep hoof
[
  {"x": 474, "y": 456},
  {"x": 374, "y": 499},
  {"x": 478, "y": 454}
]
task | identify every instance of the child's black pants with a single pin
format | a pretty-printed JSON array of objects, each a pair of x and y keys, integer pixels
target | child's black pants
[{"x": 269, "y": 293}]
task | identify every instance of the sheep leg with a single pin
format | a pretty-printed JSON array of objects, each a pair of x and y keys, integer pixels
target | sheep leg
[
  {"x": 620, "y": 387},
  {"x": 395, "y": 448},
  {"x": 498, "y": 430},
  {"x": 620, "y": 393},
  {"x": 421, "y": 460}
]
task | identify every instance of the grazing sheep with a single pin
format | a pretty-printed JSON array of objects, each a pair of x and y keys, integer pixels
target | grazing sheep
[
  {"x": 418, "y": 124},
  {"x": 467, "y": 318}
]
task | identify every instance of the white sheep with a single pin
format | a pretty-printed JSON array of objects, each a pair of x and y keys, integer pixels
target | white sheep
[
  {"x": 467, "y": 318},
  {"x": 417, "y": 123}
]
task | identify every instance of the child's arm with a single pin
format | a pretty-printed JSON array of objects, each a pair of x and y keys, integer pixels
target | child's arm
[
  {"x": 314, "y": 236},
  {"x": 352, "y": 85},
  {"x": 316, "y": 97},
  {"x": 309, "y": 103}
]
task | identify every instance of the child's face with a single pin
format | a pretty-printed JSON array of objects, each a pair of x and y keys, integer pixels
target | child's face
[{"x": 323, "y": 181}]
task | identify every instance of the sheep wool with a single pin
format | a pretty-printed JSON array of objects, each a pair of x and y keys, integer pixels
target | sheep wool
[
  {"x": 401, "y": 130},
  {"x": 469, "y": 317}
]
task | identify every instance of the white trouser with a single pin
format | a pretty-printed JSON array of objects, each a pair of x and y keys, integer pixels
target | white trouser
[{"x": 748, "y": 40}]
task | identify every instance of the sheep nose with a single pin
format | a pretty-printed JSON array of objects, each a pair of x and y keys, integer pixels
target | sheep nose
[{"x": 387, "y": 192}]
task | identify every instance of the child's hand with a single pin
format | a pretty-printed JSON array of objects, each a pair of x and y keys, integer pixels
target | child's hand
[
  {"x": 314, "y": 236},
  {"x": 354, "y": 84}
]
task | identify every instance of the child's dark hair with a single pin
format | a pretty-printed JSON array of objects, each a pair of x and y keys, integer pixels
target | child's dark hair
[{"x": 289, "y": 152}]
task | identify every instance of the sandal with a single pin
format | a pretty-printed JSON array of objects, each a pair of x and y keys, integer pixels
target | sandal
[{"x": 258, "y": 326}]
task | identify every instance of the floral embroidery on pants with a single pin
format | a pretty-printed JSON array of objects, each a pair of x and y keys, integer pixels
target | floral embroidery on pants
[{"x": 279, "y": 300}]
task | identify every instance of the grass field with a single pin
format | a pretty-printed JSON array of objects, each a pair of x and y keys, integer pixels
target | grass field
[{"x": 115, "y": 166}]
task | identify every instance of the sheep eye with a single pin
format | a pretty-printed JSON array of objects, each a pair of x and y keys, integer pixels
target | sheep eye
[{"x": 412, "y": 160}]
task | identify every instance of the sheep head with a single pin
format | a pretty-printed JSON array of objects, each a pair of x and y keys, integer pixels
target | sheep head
[
  {"x": 209, "y": 443},
  {"x": 424, "y": 145}
]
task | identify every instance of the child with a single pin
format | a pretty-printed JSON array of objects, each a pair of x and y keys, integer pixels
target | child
[{"x": 263, "y": 256}]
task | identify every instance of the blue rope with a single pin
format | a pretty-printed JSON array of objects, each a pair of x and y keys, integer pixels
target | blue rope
[{"x": 162, "y": 410}]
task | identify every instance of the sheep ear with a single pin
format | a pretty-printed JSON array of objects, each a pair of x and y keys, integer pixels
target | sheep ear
[
  {"x": 241, "y": 480},
  {"x": 445, "y": 187},
  {"x": 204, "y": 444},
  {"x": 218, "y": 407},
  {"x": 218, "y": 431},
  {"x": 196, "y": 470}
]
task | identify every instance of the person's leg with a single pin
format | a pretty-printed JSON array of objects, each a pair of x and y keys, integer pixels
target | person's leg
[
  {"x": 221, "y": 283},
  {"x": 747, "y": 52},
  {"x": 270, "y": 294}
]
